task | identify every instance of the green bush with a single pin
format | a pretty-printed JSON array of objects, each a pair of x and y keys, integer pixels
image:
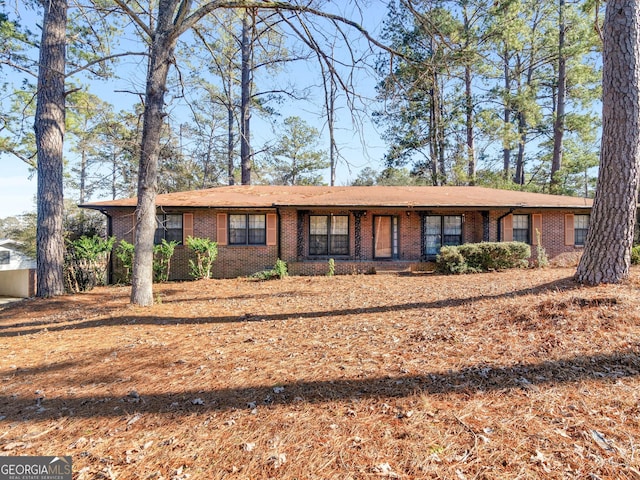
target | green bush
[
  {"x": 280, "y": 269},
  {"x": 332, "y": 268},
  {"x": 124, "y": 252},
  {"x": 482, "y": 257},
  {"x": 162, "y": 254},
  {"x": 263, "y": 275},
  {"x": 451, "y": 260},
  {"x": 206, "y": 251},
  {"x": 473, "y": 257},
  {"x": 635, "y": 255},
  {"x": 86, "y": 261}
]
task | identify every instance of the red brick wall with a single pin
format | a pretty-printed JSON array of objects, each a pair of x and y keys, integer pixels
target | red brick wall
[
  {"x": 552, "y": 234},
  {"x": 232, "y": 261},
  {"x": 236, "y": 261},
  {"x": 288, "y": 229}
]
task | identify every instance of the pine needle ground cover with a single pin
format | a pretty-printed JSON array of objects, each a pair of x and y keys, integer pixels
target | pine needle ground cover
[{"x": 520, "y": 374}]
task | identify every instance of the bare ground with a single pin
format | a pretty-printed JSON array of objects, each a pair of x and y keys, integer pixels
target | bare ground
[{"x": 520, "y": 374}]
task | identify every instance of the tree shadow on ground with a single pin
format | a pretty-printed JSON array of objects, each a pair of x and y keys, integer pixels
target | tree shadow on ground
[
  {"x": 565, "y": 284},
  {"x": 481, "y": 378}
]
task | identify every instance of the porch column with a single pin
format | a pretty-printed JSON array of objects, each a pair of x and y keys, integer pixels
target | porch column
[
  {"x": 423, "y": 237},
  {"x": 357, "y": 232},
  {"x": 300, "y": 234},
  {"x": 485, "y": 226}
]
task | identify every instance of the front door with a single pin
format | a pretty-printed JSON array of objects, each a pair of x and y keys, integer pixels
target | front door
[{"x": 384, "y": 237}]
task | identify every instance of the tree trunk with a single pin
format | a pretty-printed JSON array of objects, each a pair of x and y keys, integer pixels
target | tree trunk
[
  {"x": 333, "y": 149},
  {"x": 83, "y": 175},
  {"x": 558, "y": 124},
  {"x": 434, "y": 128},
  {"x": 230, "y": 139},
  {"x": 114, "y": 173},
  {"x": 468, "y": 96},
  {"x": 245, "y": 100},
  {"x": 162, "y": 48},
  {"x": 522, "y": 142},
  {"x": 471, "y": 151},
  {"x": 441, "y": 136},
  {"x": 607, "y": 253},
  {"x": 433, "y": 140},
  {"x": 506, "y": 150},
  {"x": 207, "y": 167},
  {"x": 49, "y": 130}
]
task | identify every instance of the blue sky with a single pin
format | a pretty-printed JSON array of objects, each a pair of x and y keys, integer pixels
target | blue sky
[{"x": 360, "y": 148}]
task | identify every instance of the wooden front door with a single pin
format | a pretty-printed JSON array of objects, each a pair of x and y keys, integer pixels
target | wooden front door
[{"x": 383, "y": 237}]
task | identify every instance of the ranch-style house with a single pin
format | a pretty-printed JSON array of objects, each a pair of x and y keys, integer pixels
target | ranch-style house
[{"x": 361, "y": 228}]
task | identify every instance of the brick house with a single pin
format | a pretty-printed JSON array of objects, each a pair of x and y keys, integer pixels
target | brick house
[{"x": 361, "y": 228}]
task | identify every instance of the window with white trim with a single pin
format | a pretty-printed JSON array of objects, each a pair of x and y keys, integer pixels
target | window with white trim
[
  {"x": 521, "y": 228},
  {"x": 580, "y": 229},
  {"x": 247, "y": 229}
]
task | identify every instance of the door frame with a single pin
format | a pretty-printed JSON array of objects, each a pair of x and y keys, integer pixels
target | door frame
[{"x": 394, "y": 237}]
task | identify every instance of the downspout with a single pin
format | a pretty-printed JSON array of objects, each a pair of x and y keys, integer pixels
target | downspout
[
  {"x": 511, "y": 210},
  {"x": 279, "y": 236}
]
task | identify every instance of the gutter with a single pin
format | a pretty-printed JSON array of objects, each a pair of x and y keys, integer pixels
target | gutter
[{"x": 414, "y": 207}]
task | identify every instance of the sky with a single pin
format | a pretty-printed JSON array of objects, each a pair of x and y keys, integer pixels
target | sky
[{"x": 361, "y": 148}]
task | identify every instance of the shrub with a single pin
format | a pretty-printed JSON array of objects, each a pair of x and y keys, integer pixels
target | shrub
[
  {"x": 450, "y": 260},
  {"x": 86, "y": 262},
  {"x": 280, "y": 269},
  {"x": 635, "y": 255},
  {"x": 162, "y": 254},
  {"x": 474, "y": 258},
  {"x": 206, "y": 251},
  {"x": 263, "y": 275},
  {"x": 482, "y": 257},
  {"x": 541, "y": 254},
  {"x": 332, "y": 268},
  {"x": 124, "y": 252},
  {"x": 516, "y": 255}
]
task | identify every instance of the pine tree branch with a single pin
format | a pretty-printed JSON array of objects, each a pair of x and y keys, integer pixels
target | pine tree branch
[{"x": 103, "y": 59}]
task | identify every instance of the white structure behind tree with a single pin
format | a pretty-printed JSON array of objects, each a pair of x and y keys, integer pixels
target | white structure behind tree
[{"x": 17, "y": 271}]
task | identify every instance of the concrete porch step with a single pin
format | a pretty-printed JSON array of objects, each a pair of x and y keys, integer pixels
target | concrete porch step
[{"x": 393, "y": 268}]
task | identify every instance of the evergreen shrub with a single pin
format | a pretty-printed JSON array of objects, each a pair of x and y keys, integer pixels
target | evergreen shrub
[{"x": 483, "y": 257}]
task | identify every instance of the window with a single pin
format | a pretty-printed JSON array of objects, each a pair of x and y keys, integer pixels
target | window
[
  {"x": 328, "y": 235},
  {"x": 5, "y": 257},
  {"x": 247, "y": 230},
  {"x": 442, "y": 230},
  {"x": 169, "y": 228},
  {"x": 521, "y": 228},
  {"x": 580, "y": 228}
]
